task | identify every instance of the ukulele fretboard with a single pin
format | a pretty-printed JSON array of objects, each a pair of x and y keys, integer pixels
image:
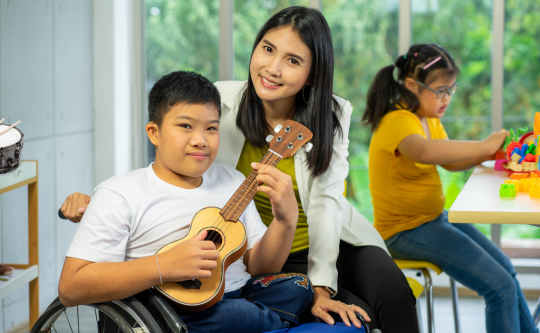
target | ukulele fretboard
[{"x": 242, "y": 197}]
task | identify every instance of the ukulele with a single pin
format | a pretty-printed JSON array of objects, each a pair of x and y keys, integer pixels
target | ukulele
[{"x": 224, "y": 228}]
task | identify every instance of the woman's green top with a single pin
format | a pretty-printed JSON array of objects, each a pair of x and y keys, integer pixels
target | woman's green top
[{"x": 262, "y": 201}]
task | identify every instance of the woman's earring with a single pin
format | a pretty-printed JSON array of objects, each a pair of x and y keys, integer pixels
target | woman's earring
[{"x": 304, "y": 97}]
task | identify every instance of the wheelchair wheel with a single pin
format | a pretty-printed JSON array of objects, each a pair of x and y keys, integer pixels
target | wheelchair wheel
[{"x": 126, "y": 316}]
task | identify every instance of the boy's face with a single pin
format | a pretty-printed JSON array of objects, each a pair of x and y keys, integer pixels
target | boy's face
[{"x": 186, "y": 143}]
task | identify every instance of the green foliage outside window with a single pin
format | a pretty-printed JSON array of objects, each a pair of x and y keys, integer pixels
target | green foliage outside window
[{"x": 184, "y": 35}]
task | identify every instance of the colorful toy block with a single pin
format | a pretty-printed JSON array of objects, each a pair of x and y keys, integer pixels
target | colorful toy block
[
  {"x": 534, "y": 190},
  {"x": 533, "y": 175},
  {"x": 512, "y": 181},
  {"x": 524, "y": 185},
  {"x": 508, "y": 191},
  {"x": 519, "y": 175}
]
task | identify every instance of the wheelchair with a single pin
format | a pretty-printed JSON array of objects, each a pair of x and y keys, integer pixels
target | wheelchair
[
  {"x": 127, "y": 316},
  {"x": 131, "y": 316}
]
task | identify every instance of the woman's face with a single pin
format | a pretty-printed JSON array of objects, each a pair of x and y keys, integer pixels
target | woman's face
[{"x": 280, "y": 65}]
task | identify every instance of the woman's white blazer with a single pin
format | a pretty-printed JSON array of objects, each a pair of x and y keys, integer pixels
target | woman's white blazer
[{"x": 330, "y": 216}]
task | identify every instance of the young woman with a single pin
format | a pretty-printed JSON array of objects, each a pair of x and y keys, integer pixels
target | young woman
[
  {"x": 291, "y": 76},
  {"x": 408, "y": 142}
]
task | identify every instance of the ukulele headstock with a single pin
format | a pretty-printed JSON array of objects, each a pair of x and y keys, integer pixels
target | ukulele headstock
[{"x": 289, "y": 138}]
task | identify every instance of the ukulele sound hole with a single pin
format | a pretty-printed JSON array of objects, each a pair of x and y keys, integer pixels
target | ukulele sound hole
[{"x": 215, "y": 237}]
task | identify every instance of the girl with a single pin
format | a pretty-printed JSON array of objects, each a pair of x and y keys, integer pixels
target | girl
[
  {"x": 290, "y": 77},
  {"x": 408, "y": 142}
]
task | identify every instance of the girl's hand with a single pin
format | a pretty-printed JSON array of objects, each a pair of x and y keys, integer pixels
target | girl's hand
[
  {"x": 322, "y": 304},
  {"x": 279, "y": 188},
  {"x": 75, "y": 206},
  {"x": 494, "y": 142}
]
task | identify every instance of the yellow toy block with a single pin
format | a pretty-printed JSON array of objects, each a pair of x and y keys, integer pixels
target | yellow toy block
[
  {"x": 533, "y": 175},
  {"x": 512, "y": 181},
  {"x": 534, "y": 190},
  {"x": 524, "y": 185}
]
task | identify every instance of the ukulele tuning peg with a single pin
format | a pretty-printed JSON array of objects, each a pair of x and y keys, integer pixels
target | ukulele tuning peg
[
  {"x": 269, "y": 138},
  {"x": 278, "y": 128},
  {"x": 308, "y": 147}
]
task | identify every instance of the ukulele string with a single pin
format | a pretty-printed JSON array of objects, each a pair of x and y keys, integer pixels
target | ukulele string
[
  {"x": 251, "y": 188},
  {"x": 274, "y": 163}
]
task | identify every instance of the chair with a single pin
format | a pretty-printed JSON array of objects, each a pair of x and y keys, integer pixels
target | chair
[{"x": 423, "y": 266}]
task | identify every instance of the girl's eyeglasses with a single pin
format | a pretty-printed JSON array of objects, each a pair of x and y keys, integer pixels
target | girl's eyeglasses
[{"x": 441, "y": 92}]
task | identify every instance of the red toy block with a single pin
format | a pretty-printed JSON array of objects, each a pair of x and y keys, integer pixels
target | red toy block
[{"x": 529, "y": 158}]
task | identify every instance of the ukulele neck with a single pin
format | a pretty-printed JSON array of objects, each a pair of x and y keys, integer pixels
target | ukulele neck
[{"x": 242, "y": 197}]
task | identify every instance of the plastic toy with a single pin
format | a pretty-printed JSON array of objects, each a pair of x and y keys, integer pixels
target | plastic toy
[
  {"x": 509, "y": 191},
  {"x": 534, "y": 190},
  {"x": 519, "y": 175},
  {"x": 524, "y": 185}
]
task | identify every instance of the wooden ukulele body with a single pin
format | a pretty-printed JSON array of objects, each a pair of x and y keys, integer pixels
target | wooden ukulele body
[{"x": 231, "y": 242}]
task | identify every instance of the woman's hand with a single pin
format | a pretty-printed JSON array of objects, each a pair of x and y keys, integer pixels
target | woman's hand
[
  {"x": 279, "y": 188},
  {"x": 75, "y": 206},
  {"x": 322, "y": 304}
]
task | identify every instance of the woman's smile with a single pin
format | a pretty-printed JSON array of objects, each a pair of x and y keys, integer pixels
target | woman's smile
[{"x": 269, "y": 83}]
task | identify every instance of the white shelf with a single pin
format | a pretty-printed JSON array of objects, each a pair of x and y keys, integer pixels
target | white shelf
[
  {"x": 21, "y": 277},
  {"x": 25, "y": 171}
]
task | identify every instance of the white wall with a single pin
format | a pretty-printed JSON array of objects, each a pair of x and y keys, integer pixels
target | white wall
[{"x": 46, "y": 80}]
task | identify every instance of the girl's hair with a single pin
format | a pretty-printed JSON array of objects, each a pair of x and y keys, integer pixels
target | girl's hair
[
  {"x": 385, "y": 92},
  {"x": 321, "y": 114}
]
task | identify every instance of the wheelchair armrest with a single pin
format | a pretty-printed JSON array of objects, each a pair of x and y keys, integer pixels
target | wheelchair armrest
[{"x": 155, "y": 303}]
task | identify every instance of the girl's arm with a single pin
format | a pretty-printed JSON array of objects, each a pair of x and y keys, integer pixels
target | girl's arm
[
  {"x": 467, "y": 164},
  {"x": 454, "y": 154}
]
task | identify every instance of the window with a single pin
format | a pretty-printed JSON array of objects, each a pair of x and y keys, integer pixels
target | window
[
  {"x": 249, "y": 17},
  {"x": 464, "y": 29},
  {"x": 365, "y": 37},
  {"x": 182, "y": 35}
]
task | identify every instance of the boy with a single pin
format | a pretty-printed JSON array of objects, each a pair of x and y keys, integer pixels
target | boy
[{"x": 131, "y": 216}]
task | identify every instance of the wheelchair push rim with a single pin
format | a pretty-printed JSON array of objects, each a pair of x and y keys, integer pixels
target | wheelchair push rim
[{"x": 57, "y": 311}]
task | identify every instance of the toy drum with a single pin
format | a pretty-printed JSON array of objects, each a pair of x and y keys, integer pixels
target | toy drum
[{"x": 10, "y": 148}]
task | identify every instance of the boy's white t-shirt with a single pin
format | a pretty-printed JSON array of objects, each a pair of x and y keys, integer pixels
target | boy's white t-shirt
[{"x": 134, "y": 215}]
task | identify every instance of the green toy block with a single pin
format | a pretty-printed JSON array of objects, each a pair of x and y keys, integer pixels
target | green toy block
[
  {"x": 507, "y": 191},
  {"x": 523, "y": 130},
  {"x": 532, "y": 149}
]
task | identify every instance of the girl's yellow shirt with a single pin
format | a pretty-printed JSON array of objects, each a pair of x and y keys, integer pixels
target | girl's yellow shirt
[
  {"x": 405, "y": 194},
  {"x": 262, "y": 201}
]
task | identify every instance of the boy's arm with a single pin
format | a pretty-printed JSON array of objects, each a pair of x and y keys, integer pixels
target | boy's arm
[
  {"x": 447, "y": 152},
  {"x": 85, "y": 281},
  {"x": 271, "y": 252}
]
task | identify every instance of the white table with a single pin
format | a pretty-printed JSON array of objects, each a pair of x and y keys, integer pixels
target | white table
[{"x": 479, "y": 201}]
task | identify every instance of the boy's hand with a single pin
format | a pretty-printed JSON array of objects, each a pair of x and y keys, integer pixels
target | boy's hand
[
  {"x": 322, "y": 304},
  {"x": 494, "y": 142},
  {"x": 278, "y": 186},
  {"x": 192, "y": 259},
  {"x": 75, "y": 206}
]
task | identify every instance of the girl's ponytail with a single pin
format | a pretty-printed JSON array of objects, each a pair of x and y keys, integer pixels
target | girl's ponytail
[{"x": 385, "y": 92}]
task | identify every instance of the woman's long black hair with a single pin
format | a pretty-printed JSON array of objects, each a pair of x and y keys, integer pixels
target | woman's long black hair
[
  {"x": 385, "y": 92},
  {"x": 321, "y": 114}
]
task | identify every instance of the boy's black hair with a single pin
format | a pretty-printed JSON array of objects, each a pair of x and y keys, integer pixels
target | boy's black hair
[
  {"x": 385, "y": 92},
  {"x": 321, "y": 113},
  {"x": 180, "y": 87}
]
